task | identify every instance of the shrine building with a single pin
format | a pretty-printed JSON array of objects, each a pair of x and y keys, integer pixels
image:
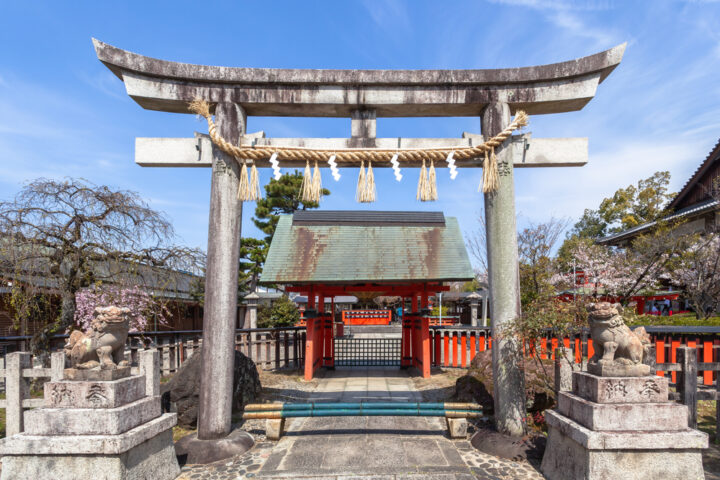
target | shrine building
[{"x": 324, "y": 254}]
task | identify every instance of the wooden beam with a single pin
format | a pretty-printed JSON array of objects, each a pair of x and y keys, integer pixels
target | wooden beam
[{"x": 527, "y": 152}]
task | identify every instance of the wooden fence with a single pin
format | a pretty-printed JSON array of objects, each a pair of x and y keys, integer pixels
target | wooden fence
[{"x": 269, "y": 348}]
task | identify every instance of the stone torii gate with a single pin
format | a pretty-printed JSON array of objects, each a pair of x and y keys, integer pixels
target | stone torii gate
[{"x": 362, "y": 96}]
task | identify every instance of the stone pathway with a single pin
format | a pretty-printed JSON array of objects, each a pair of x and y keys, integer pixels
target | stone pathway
[{"x": 380, "y": 448}]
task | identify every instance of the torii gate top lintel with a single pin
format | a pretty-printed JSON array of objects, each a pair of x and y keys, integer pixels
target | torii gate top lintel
[{"x": 169, "y": 86}]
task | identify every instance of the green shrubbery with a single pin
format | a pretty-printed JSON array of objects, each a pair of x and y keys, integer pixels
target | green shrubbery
[{"x": 283, "y": 313}]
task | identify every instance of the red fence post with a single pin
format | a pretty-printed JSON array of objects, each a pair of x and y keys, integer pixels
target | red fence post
[
  {"x": 446, "y": 357},
  {"x": 660, "y": 355},
  {"x": 473, "y": 339},
  {"x": 707, "y": 358}
]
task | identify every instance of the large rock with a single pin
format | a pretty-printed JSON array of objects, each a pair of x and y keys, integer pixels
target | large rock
[
  {"x": 182, "y": 392},
  {"x": 477, "y": 384}
]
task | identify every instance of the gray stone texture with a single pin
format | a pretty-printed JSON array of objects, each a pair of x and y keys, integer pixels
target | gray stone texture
[
  {"x": 167, "y": 86},
  {"x": 104, "y": 394},
  {"x": 91, "y": 421},
  {"x": 182, "y": 393},
  {"x": 623, "y": 416},
  {"x": 647, "y": 439},
  {"x": 650, "y": 389},
  {"x": 565, "y": 459},
  {"x": 24, "y": 444},
  {"x": 225, "y": 222},
  {"x": 457, "y": 427},
  {"x": 274, "y": 428},
  {"x": 504, "y": 280},
  {"x": 618, "y": 370},
  {"x": 96, "y": 374},
  {"x": 194, "y": 450},
  {"x": 634, "y": 433},
  {"x": 153, "y": 459}
]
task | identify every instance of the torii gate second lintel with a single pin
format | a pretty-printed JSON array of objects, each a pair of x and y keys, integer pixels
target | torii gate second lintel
[{"x": 363, "y": 96}]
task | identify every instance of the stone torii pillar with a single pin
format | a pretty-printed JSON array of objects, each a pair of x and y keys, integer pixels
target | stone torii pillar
[
  {"x": 221, "y": 280},
  {"x": 504, "y": 282}
]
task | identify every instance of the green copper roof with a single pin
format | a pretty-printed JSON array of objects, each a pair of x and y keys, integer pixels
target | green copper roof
[{"x": 330, "y": 247}]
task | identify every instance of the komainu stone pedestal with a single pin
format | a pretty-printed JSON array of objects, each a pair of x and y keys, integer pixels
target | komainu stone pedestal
[
  {"x": 621, "y": 427},
  {"x": 96, "y": 429}
]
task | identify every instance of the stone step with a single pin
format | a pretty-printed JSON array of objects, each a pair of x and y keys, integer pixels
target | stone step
[
  {"x": 630, "y": 440},
  {"x": 94, "y": 394},
  {"x": 26, "y": 444},
  {"x": 623, "y": 416},
  {"x": 649, "y": 389},
  {"x": 91, "y": 421}
]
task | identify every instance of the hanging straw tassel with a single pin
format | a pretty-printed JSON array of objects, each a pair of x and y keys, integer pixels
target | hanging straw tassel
[
  {"x": 432, "y": 183},
  {"x": 369, "y": 188},
  {"x": 490, "y": 178},
  {"x": 243, "y": 193},
  {"x": 254, "y": 192},
  {"x": 361, "y": 182},
  {"x": 306, "y": 188},
  {"x": 316, "y": 184},
  {"x": 422, "y": 183}
]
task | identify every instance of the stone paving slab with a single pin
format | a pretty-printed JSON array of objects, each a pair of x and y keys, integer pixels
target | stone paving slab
[{"x": 381, "y": 448}]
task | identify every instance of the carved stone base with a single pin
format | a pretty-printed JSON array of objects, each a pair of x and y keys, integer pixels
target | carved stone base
[
  {"x": 649, "y": 389},
  {"x": 91, "y": 421},
  {"x": 618, "y": 370},
  {"x": 574, "y": 452},
  {"x": 92, "y": 394},
  {"x": 96, "y": 375},
  {"x": 619, "y": 417},
  {"x": 153, "y": 458}
]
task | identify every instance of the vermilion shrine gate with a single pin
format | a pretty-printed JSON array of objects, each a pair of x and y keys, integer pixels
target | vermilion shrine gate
[
  {"x": 361, "y": 95},
  {"x": 367, "y": 254}
]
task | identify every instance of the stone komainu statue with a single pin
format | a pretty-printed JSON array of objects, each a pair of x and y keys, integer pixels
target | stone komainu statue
[
  {"x": 613, "y": 341},
  {"x": 103, "y": 345}
]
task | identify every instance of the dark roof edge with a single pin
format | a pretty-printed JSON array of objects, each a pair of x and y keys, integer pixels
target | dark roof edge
[
  {"x": 713, "y": 155},
  {"x": 696, "y": 208}
]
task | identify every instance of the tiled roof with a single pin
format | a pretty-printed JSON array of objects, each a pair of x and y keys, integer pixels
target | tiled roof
[
  {"x": 687, "y": 188},
  {"x": 371, "y": 250},
  {"x": 701, "y": 207}
]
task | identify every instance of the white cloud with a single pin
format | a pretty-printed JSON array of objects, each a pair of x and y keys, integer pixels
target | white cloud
[
  {"x": 574, "y": 26},
  {"x": 389, "y": 15},
  {"x": 558, "y": 4},
  {"x": 105, "y": 82}
]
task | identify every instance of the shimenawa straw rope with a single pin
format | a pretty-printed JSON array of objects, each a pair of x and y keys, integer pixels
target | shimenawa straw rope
[{"x": 355, "y": 155}]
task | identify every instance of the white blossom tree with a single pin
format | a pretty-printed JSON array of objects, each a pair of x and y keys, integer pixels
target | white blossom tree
[{"x": 697, "y": 270}]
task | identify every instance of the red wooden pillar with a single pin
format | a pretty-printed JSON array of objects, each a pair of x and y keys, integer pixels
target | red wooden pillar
[
  {"x": 313, "y": 348},
  {"x": 309, "y": 349},
  {"x": 328, "y": 359},
  {"x": 421, "y": 333},
  {"x": 406, "y": 343},
  {"x": 425, "y": 345}
]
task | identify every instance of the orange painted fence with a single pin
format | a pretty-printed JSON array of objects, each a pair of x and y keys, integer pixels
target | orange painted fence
[
  {"x": 457, "y": 346},
  {"x": 366, "y": 317}
]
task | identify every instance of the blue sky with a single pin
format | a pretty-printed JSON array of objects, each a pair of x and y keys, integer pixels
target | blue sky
[{"x": 62, "y": 113}]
